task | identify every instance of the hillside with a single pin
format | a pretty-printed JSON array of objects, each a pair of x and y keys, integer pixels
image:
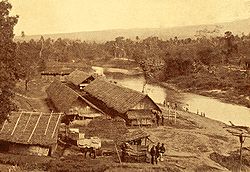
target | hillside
[
  {"x": 237, "y": 27},
  {"x": 193, "y": 143}
]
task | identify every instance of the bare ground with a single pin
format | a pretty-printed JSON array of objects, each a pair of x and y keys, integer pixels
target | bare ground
[{"x": 194, "y": 143}]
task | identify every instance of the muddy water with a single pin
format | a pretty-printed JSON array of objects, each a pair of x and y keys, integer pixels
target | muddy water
[
  {"x": 218, "y": 110},
  {"x": 212, "y": 108}
]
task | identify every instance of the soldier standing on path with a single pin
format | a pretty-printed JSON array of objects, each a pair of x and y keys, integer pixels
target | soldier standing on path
[
  {"x": 162, "y": 120},
  {"x": 157, "y": 151},
  {"x": 162, "y": 151},
  {"x": 157, "y": 118},
  {"x": 152, "y": 153}
]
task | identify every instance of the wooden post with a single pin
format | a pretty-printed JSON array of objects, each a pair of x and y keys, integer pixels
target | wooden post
[
  {"x": 241, "y": 139},
  {"x": 118, "y": 154},
  {"x": 137, "y": 152},
  {"x": 168, "y": 114},
  {"x": 240, "y": 156},
  {"x": 175, "y": 116}
]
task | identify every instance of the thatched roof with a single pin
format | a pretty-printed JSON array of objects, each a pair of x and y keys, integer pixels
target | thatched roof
[
  {"x": 56, "y": 71},
  {"x": 135, "y": 135},
  {"x": 105, "y": 128},
  {"x": 63, "y": 96},
  {"x": 77, "y": 77},
  {"x": 114, "y": 96},
  {"x": 31, "y": 128}
]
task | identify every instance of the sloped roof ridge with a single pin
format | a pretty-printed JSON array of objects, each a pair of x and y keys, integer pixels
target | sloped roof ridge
[{"x": 113, "y": 95}]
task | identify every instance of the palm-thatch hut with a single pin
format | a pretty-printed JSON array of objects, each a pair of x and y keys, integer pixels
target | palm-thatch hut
[
  {"x": 80, "y": 78},
  {"x": 133, "y": 106},
  {"x": 30, "y": 133},
  {"x": 70, "y": 102},
  {"x": 52, "y": 73}
]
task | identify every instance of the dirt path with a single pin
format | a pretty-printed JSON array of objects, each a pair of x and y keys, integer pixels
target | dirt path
[
  {"x": 191, "y": 147},
  {"x": 35, "y": 103}
]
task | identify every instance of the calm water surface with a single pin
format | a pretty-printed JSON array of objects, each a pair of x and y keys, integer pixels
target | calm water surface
[{"x": 213, "y": 108}]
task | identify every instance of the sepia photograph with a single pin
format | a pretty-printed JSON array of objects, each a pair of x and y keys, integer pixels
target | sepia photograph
[{"x": 124, "y": 85}]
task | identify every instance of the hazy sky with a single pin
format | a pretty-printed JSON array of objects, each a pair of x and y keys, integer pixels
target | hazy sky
[{"x": 54, "y": 16}]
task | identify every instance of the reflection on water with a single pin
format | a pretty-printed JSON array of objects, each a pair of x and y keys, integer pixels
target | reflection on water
[
  {"x": 213, "y": 108},
  {"x": 218, "y": 110},
  {"x": 156, "y": 93},
  {"x": 98, "y": 70}
]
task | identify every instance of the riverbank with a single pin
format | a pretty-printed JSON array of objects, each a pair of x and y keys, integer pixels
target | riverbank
[
  {"x": 225, "y": 84},
  {"x": 227, "y": 96},
  {"x": 224, "y": 96},
  {"x": 230, "y": 86},
  {"x": 193, "y": 143}
]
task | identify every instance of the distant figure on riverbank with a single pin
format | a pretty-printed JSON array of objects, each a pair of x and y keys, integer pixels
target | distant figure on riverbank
[
  {"x": 162, "y": 120},
  {"x": 186, "y": 108},
  {"x": 175, "y": 106},
  {"x": 157, "y": 116},
  {"x": 166, "y": 104},
  {"x": 203, "y": 114}
]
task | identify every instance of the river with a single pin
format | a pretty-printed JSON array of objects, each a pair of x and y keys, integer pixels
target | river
[{"x": 213, "y": 108}]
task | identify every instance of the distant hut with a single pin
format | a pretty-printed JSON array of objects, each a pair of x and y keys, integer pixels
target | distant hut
[
  {"x": 80, "y": 78},
  {"x": 60, "y": 74},
  {"x": 30, "y": 133},
  {"x": 70, "y": 102},
  {"x": 133, "y": 106}
]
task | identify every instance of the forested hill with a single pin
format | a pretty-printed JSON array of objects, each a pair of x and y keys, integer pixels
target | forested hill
[{"x": 237, "y": 27}]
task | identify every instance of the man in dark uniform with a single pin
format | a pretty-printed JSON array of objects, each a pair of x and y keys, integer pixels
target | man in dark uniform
[
  {"x": 162, "y": 151},
  {"x": 157, "y": 118},
  {"x": 152, "y": 153},
  {"x": 157, "y": 151},
  {"x": 162, "y": 120}
]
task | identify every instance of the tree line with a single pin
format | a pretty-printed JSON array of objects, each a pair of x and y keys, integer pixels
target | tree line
[
  {"x": 159, "y": 59},
  {"x": 171, "y": 57}
]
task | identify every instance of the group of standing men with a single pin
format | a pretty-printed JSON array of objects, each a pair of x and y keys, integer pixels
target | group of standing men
[
  {"x": 169, "y": 105},
  {"x": 157, "y": 152},
  {"x": 159, "y": 118}
]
